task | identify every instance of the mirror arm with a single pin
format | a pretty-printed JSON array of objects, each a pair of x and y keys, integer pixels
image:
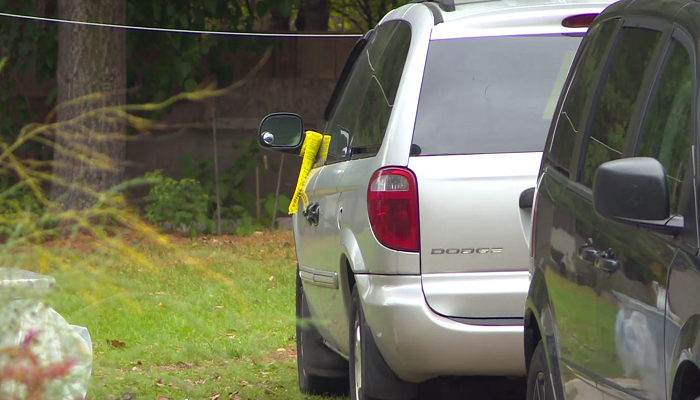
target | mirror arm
[{"x": 672, "y": 226}]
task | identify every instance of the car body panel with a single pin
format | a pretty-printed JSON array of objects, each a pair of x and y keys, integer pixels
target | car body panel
[
  {"x": 682, "y": 319},
  {"x": 456, "y": 193},
  {"x": 401, "y": 321},
  {"x": 485, "y": 294}
]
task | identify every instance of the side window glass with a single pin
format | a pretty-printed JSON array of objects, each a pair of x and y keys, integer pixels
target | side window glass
[
  {"x": 612, "y": 114},
  {"x": 569, "y": 124},
  {"x": 363, "y": 111},
  {"x": 667, "y": 133},
  {"x": 386, "y": 62}
]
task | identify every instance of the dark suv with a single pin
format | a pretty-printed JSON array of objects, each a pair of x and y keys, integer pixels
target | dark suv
[{"x": 613, "y": 309}]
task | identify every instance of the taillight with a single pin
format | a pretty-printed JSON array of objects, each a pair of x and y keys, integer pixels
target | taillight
[
  {"x": 579, "y": 21},
  {"x": 392, "y": 204}
]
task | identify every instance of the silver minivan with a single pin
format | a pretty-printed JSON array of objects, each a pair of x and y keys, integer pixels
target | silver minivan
[{"x": 413, "y": 227}]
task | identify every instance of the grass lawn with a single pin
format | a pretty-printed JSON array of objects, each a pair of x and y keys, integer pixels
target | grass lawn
[{"x": 209, "y": 317}]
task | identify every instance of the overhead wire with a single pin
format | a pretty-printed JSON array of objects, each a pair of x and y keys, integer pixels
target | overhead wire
[{"x": 184, "y": 31}]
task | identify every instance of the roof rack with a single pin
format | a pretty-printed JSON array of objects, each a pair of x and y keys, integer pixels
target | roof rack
[{"x": 445, "y": 5}]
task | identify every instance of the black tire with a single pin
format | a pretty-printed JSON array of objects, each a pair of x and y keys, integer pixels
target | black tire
[
  {"x": 320, "y": 370},
  {"x": 539, "y": 380},
  {"x": 370, "y": 377}
]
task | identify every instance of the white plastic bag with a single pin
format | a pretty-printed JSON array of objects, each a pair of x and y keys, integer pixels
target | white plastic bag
[{"x": 26, "y": 323}]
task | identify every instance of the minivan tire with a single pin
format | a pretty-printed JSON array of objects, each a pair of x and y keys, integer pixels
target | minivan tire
[
  {"x": 539, "y": 380},
  {"x": 321, "y": 371},
  {"x": 370, "y": 376}
]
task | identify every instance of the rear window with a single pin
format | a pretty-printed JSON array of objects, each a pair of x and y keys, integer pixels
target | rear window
[{"x": 491, "y": 94}]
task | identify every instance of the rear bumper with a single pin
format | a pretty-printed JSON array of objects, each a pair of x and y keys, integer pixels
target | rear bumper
[{"x": 419, "y": 344}]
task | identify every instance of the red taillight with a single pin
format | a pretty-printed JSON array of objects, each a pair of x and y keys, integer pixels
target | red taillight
[
  {"x": 579, "y": 21},
  {"x": 392, "y": 204}
]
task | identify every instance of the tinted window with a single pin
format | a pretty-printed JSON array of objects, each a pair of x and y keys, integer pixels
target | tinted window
[
  {"x": 363, "y": 112},
  {"x": 580, "y": 90},
  {"x": 666, "y": 134},
  {"x": 612, "y": 114},
  {"x": 492, "y": 94}
]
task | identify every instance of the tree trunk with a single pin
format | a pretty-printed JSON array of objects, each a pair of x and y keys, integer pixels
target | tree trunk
[
  {"x": 278, "y": 22},
  {"x": 313, "y": 16},
  {"x": 91, "y": 61}
]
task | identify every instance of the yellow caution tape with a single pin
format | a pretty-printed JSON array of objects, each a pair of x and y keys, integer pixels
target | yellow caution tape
[
  {"x": 325, "y": 145},
  {"x": 309, "y": 149}
]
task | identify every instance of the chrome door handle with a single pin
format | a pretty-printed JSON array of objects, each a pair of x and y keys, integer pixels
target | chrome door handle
[
  {"x": 587, "y": 252},
  {"x": 606, "y": 261},
  {"x": 312, "y": 213}
]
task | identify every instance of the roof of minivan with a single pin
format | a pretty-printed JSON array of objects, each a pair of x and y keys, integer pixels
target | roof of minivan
[{"x": 511, "y": 14}]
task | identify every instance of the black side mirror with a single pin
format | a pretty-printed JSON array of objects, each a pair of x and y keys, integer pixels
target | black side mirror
[
  {"x": 635, "y": 191},
  {"x": 282, "y": 132}
]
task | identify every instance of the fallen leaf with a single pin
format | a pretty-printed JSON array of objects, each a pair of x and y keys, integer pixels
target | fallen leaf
[
  {"x": 129, "y": 396},
  {"x": 215, "y": 397},
  {"x": 281, "y": 350},
  {"x": 116, "y": 343},
  {"x": 272, "y": 277},
  {"x": 218, "y": 307}
]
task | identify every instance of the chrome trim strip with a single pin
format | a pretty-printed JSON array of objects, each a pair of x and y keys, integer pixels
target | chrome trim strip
[{"x": 318, "y": 277}]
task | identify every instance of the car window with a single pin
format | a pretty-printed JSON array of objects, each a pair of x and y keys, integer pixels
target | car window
[
  {"x": 491, "y": 94},
  {"x": 666, "y": 132},
  {"x": 613, "y": 112},
  {"x": 580, "y": 90},
  {"x": 362, "y": 115}
]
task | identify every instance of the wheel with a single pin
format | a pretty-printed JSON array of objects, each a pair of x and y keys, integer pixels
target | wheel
[
  {"x": 370, "y": 376},
  {"x": 539, "y": 380},
  {"x": 320, "y": 370}
]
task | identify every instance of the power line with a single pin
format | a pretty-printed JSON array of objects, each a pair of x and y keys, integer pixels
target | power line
[{"x": 185, "y": 31}]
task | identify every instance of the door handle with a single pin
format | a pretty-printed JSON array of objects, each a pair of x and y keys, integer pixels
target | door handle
[
  {"x": 587, "y": 252},
  {"x": 606, "y": 261},
  {"x": 312, "y": 213}
]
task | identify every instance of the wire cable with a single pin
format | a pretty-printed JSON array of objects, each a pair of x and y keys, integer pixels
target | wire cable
[{"x": 185, "y": 31}]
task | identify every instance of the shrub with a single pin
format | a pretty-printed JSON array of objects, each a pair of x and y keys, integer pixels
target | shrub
[{"x": 181, "y": 204}]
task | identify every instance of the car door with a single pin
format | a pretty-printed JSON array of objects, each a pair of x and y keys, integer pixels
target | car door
[
  {"x": 633, "y": 263},
  {"x": 357, "y": 129},
  {"x": 564, "y": 251},
  {"x": 316, "y": 220}
]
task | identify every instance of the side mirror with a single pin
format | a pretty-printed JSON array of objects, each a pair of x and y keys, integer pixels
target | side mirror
[
  {"x": 635, "y": 191},
  {"x": 282, "y": 132}
]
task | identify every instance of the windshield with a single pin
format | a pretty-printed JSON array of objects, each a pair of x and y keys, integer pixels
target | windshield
[{"x": 491, "y": 94}]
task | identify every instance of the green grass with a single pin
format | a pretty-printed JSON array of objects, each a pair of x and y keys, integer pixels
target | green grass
[{"x": 202, "y": 320}]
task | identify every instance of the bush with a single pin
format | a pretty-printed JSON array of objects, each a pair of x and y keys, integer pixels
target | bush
[{"x": 181, "y": 204}]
